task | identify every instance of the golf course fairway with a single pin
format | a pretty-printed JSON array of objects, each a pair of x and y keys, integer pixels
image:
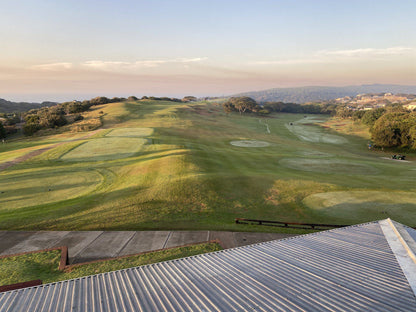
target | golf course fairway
[{"x": 157, "y": 165}]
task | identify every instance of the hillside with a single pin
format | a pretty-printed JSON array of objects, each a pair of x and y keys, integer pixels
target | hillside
[
  {"x": 158, "y": 165},
  {"x": 10, "y": 107},
  {"x": 317, "y": 94}
]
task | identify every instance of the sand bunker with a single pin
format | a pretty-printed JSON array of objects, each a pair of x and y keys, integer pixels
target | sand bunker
[{"x": 250, "y": 143}]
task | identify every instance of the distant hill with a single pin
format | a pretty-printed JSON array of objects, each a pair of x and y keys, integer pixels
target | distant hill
[
  {"x": 10, "y": 107},
  {"x": 315, "y": 94}
]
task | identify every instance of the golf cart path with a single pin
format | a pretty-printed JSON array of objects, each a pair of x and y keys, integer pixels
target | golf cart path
[{"x": 84, "y": 246}]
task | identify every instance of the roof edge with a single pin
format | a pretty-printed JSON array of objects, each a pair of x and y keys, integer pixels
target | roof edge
[{"x": 404, "y": 254}]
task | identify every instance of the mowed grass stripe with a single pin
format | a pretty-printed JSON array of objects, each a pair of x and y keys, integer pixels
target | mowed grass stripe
[
  {"x": 25, "y": 190},
  {"x": 105, "y": 149}
]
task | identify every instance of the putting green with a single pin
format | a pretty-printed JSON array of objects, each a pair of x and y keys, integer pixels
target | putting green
[
  {"x": 28, "y": 188},
  {"x": 250, "y": 143},
  {"x": 130, "y": 132},
  {"x": 328, "y": 166},
  {"x": 105, "y": 149},
  {"x": 363, "y": 205}
]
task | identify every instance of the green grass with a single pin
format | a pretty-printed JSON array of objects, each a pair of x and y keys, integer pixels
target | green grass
[
  {"x": 130, "y": 132},
  {"x": 357, "y": 206},
  {"x": 105, "y": 149},
  {"x": 302, "y": 130},
  {"x": 22, "y": 188},
  {"x": 331, "y": 165},
  {"x": 44, "y": 265},
  {"x": 189, "y": 176}
]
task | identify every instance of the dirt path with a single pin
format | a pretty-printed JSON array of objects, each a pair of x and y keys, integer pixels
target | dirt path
[
  {"x": 267, "y": 126},
  {"x": 27, "y": 156}
]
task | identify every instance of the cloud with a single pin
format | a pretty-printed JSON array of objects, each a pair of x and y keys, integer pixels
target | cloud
[
  {"x": 290, "y": 62},
  {"x": 369, "y": 52},
  {"x": 337, "y": 56},
  {"x": 53, "y": 66},
  {"x": 123, "y": 66}
]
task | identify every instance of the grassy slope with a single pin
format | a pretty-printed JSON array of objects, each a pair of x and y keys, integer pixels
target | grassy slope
[
  {"x": 44, "y": 265},
  {"x": 188, "y": 176}
]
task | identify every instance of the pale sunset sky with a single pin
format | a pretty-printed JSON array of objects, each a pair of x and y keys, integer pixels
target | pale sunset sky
[{"x": 62, "y": 50}]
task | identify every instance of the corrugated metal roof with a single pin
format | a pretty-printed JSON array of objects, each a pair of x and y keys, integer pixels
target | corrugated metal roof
[{"x": 347, "y": 269}]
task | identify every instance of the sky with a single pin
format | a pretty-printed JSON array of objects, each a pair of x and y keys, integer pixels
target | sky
[{"x": 61, "y": 50}]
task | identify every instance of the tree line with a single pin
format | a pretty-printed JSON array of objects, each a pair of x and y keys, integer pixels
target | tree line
[
  {"x": 64, "y": 113},
  {"x": 245, "y": 104},
  {"x": 390, "y": 126},
  {"x": 60, "y": 114}
]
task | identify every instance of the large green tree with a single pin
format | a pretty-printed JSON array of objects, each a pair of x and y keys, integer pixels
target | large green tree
[
  {"x": 371, "y": 116},
  {"x": 2, "y": 131},
  {"x": 397, "y": 129},
  {"x": 242, "y": 104}
]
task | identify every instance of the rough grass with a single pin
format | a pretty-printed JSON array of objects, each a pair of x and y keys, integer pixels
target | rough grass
[
  {"x": 329, "y": 166},
  {"x": 44, "y": 265},
  {"x": 13, "y": 154},
  {"x": 358, "y": 206},
  {"x": 189, "y": 176},
  {"x": 347, "y": 126}
]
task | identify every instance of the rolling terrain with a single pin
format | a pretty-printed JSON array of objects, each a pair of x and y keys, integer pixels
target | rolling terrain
[
  {"x": 322, "y": 93},
  {"x": 11, "y": 107},
  {"x": 166, "y": 165}
]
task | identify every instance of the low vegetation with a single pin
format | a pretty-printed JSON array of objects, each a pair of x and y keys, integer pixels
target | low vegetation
[{"x": 44, "y": 265}]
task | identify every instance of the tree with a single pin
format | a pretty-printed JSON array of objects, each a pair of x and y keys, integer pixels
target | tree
[
  {"x": 358, "y": 115},
  {"x": 412, "y": 135},
  {"x": 189, "y": 98},
  {"x": 30, "y": 128},
  {"x": 228, "y": 107},
  {"x": 2, "y": 131},
  {"x": 73, "y": 107},
  {"x": 343, "y": 112},
  {"x": 396, "y": 129},
  {"x": 99, "y": 100},
  {"x": 371, "y": 116},
  {"x": 243, "y": 104}
]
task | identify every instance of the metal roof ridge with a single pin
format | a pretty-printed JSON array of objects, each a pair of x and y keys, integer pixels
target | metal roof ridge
[{"x": 401, "y": 249}]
